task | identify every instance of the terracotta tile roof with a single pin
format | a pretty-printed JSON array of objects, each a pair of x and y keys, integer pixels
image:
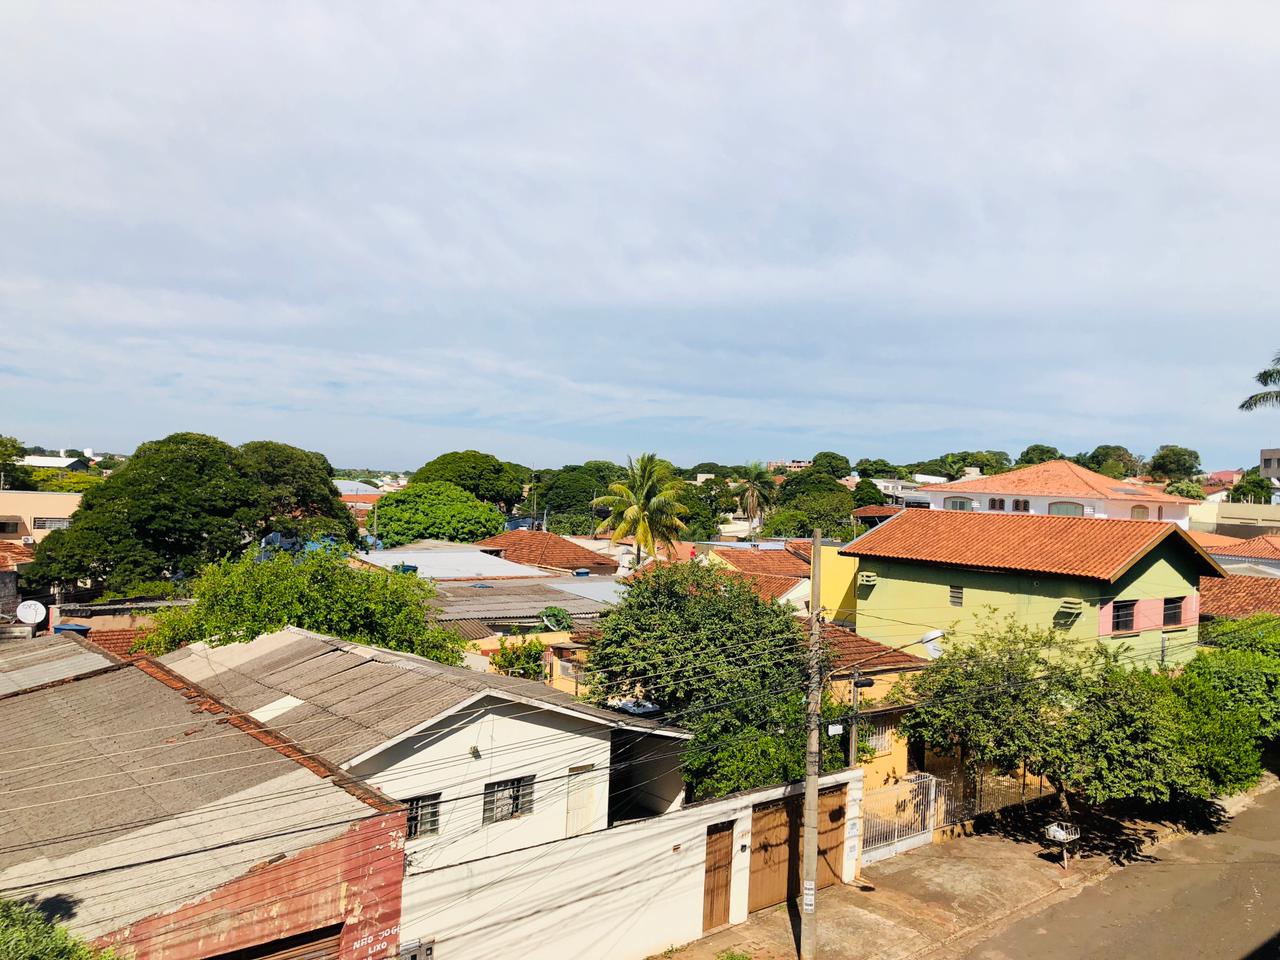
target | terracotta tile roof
[
  {"x": 779, "y": 563},
  {"x": 1068, "y": 546},
  {"x": 1266, "y": 547},
  {"x": 1212, "y": 541},
  {"x": 1210, "y": 489},
  {"x": 541, "y": 548},
  {"x": 768, "y": 586},
  {"x": 13, "y": 553},
  {"x": 849, "y": 649},
  {"x": 118, "y": 643},
  {"x": 878, "y": 510},
  {"x": 802, "y": 549},
  {"x": 362, "y": 497},
  {"x": 1239, "y": 596},
  {"x": 1057, "y": 478}
]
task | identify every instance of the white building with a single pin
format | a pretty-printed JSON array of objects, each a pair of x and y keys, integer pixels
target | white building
[{"x": 1059, "y": 487}]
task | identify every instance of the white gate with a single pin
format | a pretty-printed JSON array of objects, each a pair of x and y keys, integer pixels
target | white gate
[{"x": 899, "y": 818}]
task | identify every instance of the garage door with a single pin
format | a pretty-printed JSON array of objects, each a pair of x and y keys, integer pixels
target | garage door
[
  {"x": 313, "y": 945},
  {"x": 777, "y": 843}
]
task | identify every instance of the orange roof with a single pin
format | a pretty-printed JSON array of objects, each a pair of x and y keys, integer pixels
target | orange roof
[
  {"x": 1239, "y": 596},
  {"x": 1067, "y": 546},
  {"x": 1057, "y": 478},
  {"x": 779, "y": 563},
  {"x": 116, "y": 642},
  {"x": 1212, "y": 541},
  {"x": 849, "y": 649},
  {"x": 802, "y": 549},
  {"x": 541, "y": 548},
  {"x": 1266, "y": 547},
  {"x": 13, "y": 553},
  {"x": 877, "y": 510},
  {"x": 768, "y": 586},
  {"x": 362, "y": 497}
]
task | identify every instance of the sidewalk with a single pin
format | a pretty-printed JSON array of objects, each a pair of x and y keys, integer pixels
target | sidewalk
[{"x": 935, "y": 895}]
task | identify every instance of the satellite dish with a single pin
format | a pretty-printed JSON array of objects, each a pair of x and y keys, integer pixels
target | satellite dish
[
  {"x": 31, "y": 611},
  {"x": 930, "y": 643}
]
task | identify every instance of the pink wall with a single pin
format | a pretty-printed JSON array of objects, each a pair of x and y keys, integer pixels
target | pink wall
[{"x": 1149, "y": 615}]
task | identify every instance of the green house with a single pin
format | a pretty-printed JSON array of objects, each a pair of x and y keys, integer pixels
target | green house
[{"x": 1130, "y": 582}]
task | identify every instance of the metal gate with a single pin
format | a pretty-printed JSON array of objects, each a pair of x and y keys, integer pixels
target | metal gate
[{"x": 899, "y": 818}]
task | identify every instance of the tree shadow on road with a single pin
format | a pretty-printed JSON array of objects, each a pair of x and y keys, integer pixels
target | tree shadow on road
[{"x": 1120, "y": 833}]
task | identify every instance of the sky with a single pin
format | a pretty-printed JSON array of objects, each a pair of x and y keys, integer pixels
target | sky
[{"x": 720, "y": 230}]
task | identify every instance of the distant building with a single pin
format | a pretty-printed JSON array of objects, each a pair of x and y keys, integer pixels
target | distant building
[
  {"x": 73, "y": 464},
  {"x": 791, "y": 466},
  {"x": 28, "y": 516},
  {"x": 1269, "y": 463}
]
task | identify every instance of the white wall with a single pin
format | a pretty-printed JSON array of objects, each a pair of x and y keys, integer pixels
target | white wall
[
  {"x": 624, "y": 893},
  {"x": 512, "y": 740},
  {"x": 1108, "y": 509}
]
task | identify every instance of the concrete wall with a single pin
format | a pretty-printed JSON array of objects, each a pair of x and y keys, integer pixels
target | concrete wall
[
  {"x": 26, "y": 505},
  {"x": 624, "y": 894},
  {"x": 1107, "y": 509},
  {"x": 1236, "y": 519},
  {"x": 488, "y": 741},
  {"x": 838, "y": 591}
]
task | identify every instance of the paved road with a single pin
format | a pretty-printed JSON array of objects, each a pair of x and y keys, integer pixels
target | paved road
[{"x": 1210, "y": 897}]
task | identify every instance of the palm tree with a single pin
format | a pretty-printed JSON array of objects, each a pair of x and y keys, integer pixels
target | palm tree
[
  {"x": 1269, "y": 377},
  {"x": 756, "y": 491},
  {"x": 644, "y": 504}
]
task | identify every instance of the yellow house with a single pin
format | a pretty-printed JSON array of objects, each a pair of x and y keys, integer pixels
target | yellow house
[
  {"x": 28, "y": 516},
  {"x": 1129, "y": 582}
]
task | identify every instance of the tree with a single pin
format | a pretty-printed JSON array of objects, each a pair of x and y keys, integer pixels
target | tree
[
  {"x": 556, "y": 618},
  {"x": 878, "y": 469},
  {"x": 756, "y": 491},
  {"x": 833, "y": 512},
  {"x": 953, "y": 468},
  {"x": 705, "y": 516},
  {"x": 520, "y": 659},
  {"x": 722, "y": 662},
  {"x": 13, "y": 476},
  {"x": 806, "y": 482},
  {"x": 1185, "y": 488},
  {"x": 435, "y": 511},
  {"x": 1114, "y": 469},
  {"x": 1269, "y": 378},
  {"x": 1175, "y": 463},
  {"x": 645, "y": 504},
  {"x": 1131, "y": 464},
  {"x": 480, "y": 474},
  {"x": 867, "y": 494},
  {"x": 1252, "y": 488},
  {"x": 1039, "y": 453},
  {"x": 27, "y": 934},
  {"x": 834, "y": 464},
  {"x": 63, "y": 481},
  {"x": 298, "y": 498},
  {"x": 572, "y": 524},
  {"x": 787, "y": 522},
  {"x": 238, "y": 600}
]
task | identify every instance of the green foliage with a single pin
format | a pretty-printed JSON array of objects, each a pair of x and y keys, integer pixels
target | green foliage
[
  {"x": 572, "y": 524},
  {"x": 572, "y": 488},
  {"x": 1246, "y": 679},
  {"x": 556, "y": 618},
  {"x": 808, "y": 483},
  {"x": 27, "y": 934},
  {"x": 1175, "y": 463},
  {"x": 645, "y": 504},
  {"x": 520, "y": 659},
  {"x": 787, "y": 523},
  {"x": 756, "y": 491},
  {"x": 1039, "y": 453},
  {"x": 63, "y": 481},
  {"x": 297, "y": 495},
  {"x": 834, "y": 464},
  {"x": 706, "y": 510},
  {"x": 1251, "y": 488},
  {"x": 1259, "y": 633},
  {"x": 1269, "y": 378},
  {"x": 830, "y": 511},
  {"x": 1185, "y": 488},
  {"x": 1114, "y": 469},
  {"x": 480, "y": 474},
  {"x": 238, "y": 600},
  {"x": 1131, "y": 465},
  {"x": 435, "y": 511},
  {"x": 724, "y": 663},
  {"x": 879, "y": 470},
  {"x": 867, "y": 494},
  {"x": 953, "y": 464},
  {"x": 149, "y": 589}
]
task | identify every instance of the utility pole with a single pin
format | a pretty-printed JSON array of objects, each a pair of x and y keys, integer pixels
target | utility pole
[{"x": 812, "y": 760}]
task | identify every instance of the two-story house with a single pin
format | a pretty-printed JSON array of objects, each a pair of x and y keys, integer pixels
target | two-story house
[
  {"x": 1058, "y": 488},
  {"x": 928, "y": 574}
]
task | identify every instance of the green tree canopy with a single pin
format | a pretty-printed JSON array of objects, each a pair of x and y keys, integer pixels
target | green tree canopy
[
  {"x": 1175, "y": 463},
  {"x": 480, "y": 474},
  {"x": 705, "y": 508},
  {"x": 63, "y": 481},
  {"x": 27, "y": 934},
  {"x": 520, "y": 658},
  {"x": 1269, "y": 378},
  {"x": 878, "y": 469},
  {"x": 807, "y": 482},
  {"x": 1114, "y": 469},
  {"x": 831, "y": 512},
  {"x": 13, "y": 476},
  {"x": 298, "y": 498},
  {"x": 787, "y": 522},
  {"x": 835, "y": 464},
  {"x": 238, "y": 600},
  {"x": 645, "y": 504},
  {"x": 1131, "y": 464},
  {"x": 435, "y": 511},
  {"x": 867, "y": 494},
  {"x": 1253, "y": 487},
  {"x": 756, "y": 491},
  {"x": 1039, "y": 453},
  {"x": 1185, "y": 488}
]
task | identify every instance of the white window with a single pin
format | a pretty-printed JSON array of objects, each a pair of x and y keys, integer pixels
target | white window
[
  {"x": 957, "y": 503},
  {"x": 51, "y": 523},
  {"x": 424, "y": 816},
  {"x": 881, "y": 737},
  {"x": 508, "y": 799},
  {"x": 1139, "y": 512},
  {"x": 1065, "y": 508}
]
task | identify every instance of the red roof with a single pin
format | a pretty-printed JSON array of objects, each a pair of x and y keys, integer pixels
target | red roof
[
  {"x": 849, "y": 649},
  {"x": 1239, "y": 596},
  {"x": 1057, "y": 478},
  {"x": 778, "y": 563},
  {"x": 362, "y": 497},
  {"x": 13, "y": 553},
  {"x": 541, "y": 548},
  {"x": 877, "y": 510},
  {"x": 116, "y": 642},
  {"x": 1266, "y": 547},
  {"x": 1067, "y": 546},
  {"x": 1213, "y": 541},
  {"x": 802, "y": 549},
  {"x": 768, "y": 586}
]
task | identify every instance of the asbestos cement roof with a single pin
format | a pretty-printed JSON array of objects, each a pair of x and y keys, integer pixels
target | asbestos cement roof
[
  {"x": 28, "y": 663},
  {"x": 504, "y": 600}
]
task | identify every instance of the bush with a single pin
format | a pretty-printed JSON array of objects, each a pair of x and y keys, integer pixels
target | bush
[
  {"x": 435, "y": 511},
  {"x": 27, "y": 934},
  {"x": 573, "y": 524},
  {"x": 520, "y": 659}
]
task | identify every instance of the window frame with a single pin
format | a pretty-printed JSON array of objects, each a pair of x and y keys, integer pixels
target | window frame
[
  {"x": 883, "y": 730},
  {"x": 948, "y": 501},
  {"x": 1133, "y": 512},
  {"x": 5, "y": 526},
  {"x": 1025, "y": 508},
  {"x": 955, "y": 595},
  {"x": 1181, "y": 611},
  {"x": 996, "y": 503},
  {"x": 1131, "y": 608},
  {"x": 50, "y": 523},
  {"x": 521, "y": 799},
  {"x": 424, "y": 808},
  {"x": 1065, "y": 503}
]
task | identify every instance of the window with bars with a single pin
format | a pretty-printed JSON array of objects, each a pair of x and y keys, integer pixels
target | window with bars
[
  {"x": 508, "y": 799},
  {"x": 881, "y": 735},
  {"x": 51, "y": 523},
  {"x": 424, "y": 816},
  {"x": 956, "y": 595},
  {"x": 1122, "y": 615},
  {"x": 995, "y": 503},
  {"x": 1022, "y": 506},
  {"x": 1173, "y": 611}
]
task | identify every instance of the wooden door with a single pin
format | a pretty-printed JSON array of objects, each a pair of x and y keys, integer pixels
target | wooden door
[
  {"x": 581, "y": 809},
  {"x": 718, "y": 876}
]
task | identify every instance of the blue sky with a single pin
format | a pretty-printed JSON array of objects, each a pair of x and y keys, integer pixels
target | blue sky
[{"x": 718, "y": 230}]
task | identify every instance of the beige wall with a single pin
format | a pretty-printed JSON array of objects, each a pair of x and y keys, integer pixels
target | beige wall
[{"x": 28, "y": 505}]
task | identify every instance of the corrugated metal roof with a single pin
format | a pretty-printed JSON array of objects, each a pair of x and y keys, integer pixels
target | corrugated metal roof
[
  {"x": 27, "y": 663},
  {"x": 490, "y": 600}
]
